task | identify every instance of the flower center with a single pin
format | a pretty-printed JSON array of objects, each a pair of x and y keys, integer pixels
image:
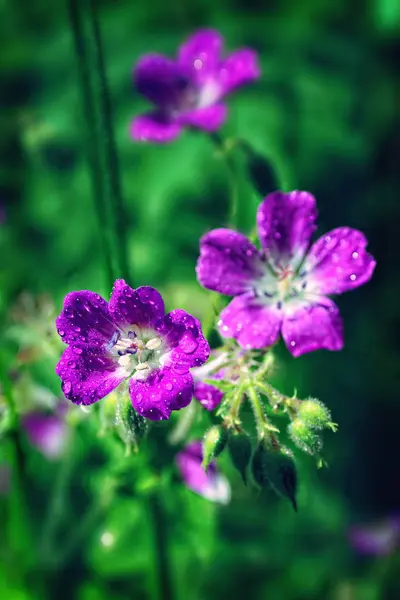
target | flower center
[
  {"x": 137, "y": 350},
  {"x": 281, "y": 287}
]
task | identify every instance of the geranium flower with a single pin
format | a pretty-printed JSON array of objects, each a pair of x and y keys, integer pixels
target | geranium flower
[
  {"x": 129, "y": 337},
  {"x": 211, "y": 484},
  {"x": 285, "y": 286},
  {"x": 188, "y": 91}
]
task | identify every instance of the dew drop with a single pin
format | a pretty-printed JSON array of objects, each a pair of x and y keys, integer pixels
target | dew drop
[
  {"x": 77, "y": 350},
  {"x": 355, "y": 255},
  {"x": 353, "y": 277},
  {"x": 66, "y": 387},
  {"x": 188, "y": 343},
  {"x": 169, "y": 386},
  {"x": 292, "y": 343},
  {"x": 61, "y": 332}
]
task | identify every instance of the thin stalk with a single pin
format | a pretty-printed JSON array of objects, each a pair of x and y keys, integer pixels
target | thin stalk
[
  {"x": 262, "y": 423},
  {"x": 111, "y": 154},
  {"x": 159, "y": 523},
  {"x": 234, "y": 188},
  {"x": 92, "y": 141}
]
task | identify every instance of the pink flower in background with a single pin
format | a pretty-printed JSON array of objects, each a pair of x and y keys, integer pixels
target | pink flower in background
[
  {"x": 47, "y": 432},
  {"x": 211, "y": 484},
  {"x": 188, "y": 91},
  {"x": 376, "y": 539}
]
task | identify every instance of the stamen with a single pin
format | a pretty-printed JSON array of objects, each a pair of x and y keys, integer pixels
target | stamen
[
  {"x": 153, "y": 344},
  {"x": 141, "y": 366}
]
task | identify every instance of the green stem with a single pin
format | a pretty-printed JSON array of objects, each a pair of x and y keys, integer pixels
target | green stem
[
  {"x": 262, "y": 423},
  {"x": 111, "y": 154},
  {"x": 160, "y": 523},
  {"x": 92, "y": 141},
  {"x": 234, "y": 187}
]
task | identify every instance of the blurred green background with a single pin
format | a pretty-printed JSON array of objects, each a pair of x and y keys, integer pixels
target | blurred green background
[{"x": 325, "y": 114}]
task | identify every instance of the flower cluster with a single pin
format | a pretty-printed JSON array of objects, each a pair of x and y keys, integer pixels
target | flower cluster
[{"x": 282, "y": 286}]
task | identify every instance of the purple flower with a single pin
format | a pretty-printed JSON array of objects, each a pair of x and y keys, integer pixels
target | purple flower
[
  {"x": 208, "y": 395},
  {"x": 129, "y": 337},
  {"x": 188, "y": 91},
  {"x": 284, "y": 287},
  {"x": 378, "y": 539},
  {"x": 211, "y": 485},
  {"x": 48, "y": 433}
]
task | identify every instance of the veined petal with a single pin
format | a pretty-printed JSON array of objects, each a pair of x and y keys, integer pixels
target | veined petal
[
  {"x": 162, "y": 392},
  {"x": 238, "y": 69},
  {"x": 88, "y": 377},
  {"x": 286, "y": 223},
  {"x": 254, "y": 325},
  {"x": 153, "y": 127},
  {"x": 228, "y": 262},
  {"x": 201, "y": 54},
  {"x": 338, "y": 262},
  {"x": 183, "y": 335},
  {"x": 141, "y": 307},
  {"x": 312, "y": 327},
  {"x": 208, "y": 118},
  {"x": 161, "y": 80},
  {"x": 85, "y": 320}
]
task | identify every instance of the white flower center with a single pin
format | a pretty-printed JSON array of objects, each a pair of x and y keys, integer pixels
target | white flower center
[{"x": 138, "y": 351}]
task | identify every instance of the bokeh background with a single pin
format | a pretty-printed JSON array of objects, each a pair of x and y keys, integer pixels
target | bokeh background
[{"x": 325, "y": 116}]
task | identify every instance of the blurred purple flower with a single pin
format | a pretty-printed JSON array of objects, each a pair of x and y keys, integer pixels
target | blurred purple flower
[
  {"x": 188, "y": 91},
  {"x": 129, "y": 337},
  {"x": 284, "y": 287},
  {"x": 211, "y": 484},
  {"x": 376, "y": 539},
  {"x": 48, "y": 433}
]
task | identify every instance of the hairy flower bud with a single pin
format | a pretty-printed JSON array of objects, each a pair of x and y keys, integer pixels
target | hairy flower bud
[
  {"x": 132, "y": 426},
  {"x": 214, "y": 443},
  {"x": 314, "y": 414},
  {"x": 239, "y": 446},
  {"x": 305, "y": 437},
  {"x": 274, "y": 465}
]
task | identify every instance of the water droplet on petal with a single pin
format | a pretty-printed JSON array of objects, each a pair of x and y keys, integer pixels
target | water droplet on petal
[
  {"x": 66, "y": 387},
  {"x": 169, "y": 386},
  {"x": 188, "y": 343}
]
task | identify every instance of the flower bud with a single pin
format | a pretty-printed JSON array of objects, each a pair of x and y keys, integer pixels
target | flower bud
[
  {"x": 274, "y": 465},
  {"x": 133, "y": 427},
  {"x": 305, "y": 437},
  {"x": 214, "y": 443},
  {"x": 314, "y": 414},
  {"x": 239, "y": 446}
]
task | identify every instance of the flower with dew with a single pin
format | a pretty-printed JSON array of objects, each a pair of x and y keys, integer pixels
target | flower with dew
[
  {"x": 211, "y": 484},
  {"x": 376, "y": 539},
  {"x": 129, "y": 338},
  {"x": 188, "y": 91},
  {"x": 284, "y": 287},
  {"x": 46, "y": 432}
]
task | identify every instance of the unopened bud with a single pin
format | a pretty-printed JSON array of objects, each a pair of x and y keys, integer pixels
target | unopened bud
[
  {"x": 274, "y": 465},
  {"x": 314, "y": 414},
  {"x": 214, "y": 443},
  {"x": 239, "y": 446},
  {"x": 305, "y": 437},
  {"x": 132, "y": 426}
]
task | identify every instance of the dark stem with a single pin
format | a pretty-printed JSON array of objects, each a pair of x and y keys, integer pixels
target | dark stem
[
  {"x": 159, "y": 523},
  {"x": 93, "y": 141},
  {"x": 111, "y": 154}
]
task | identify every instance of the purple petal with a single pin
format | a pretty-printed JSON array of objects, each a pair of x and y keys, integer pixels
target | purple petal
[
  {"x": 252, "y": 324},
  {"x": 339, "y": 262},
  {"x": 313, "y": 327},
  {"x": 208, "y": 118},
  {"x": 85, "y": 320},
  {"x": 162, "y": 392},
  {"x": 208, "y": 395},
  {"x": 142, "y": 307},
  {"x": 154, "y": 127},
  {"x": 379, "y": 539},
  {"x": 88, "y": 377},
  {"x": 211, "y": 485},
  {"x": 161, "y": 80},
  {"x": 201, "y": 54},
  {"x": 238, "y": 69},
  {"x": 228, "y": 262},
  {"x": 185, "y": 339},
  {"x": 286, "y": 223},
  {"x": 48, "y": 433}
]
